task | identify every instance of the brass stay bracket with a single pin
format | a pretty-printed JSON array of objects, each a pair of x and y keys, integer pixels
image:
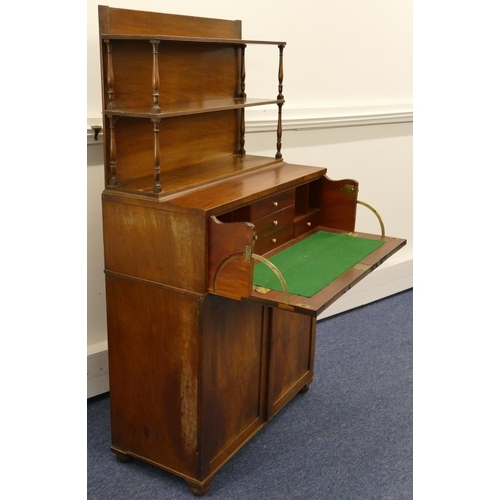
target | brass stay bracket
[
  {"x": 382, "y": 227},
  {"x": 352, "y": 189},
  {"x": 248, "y": 255}
]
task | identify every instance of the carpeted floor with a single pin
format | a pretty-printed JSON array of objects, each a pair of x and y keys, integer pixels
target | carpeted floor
[{"x": 348, "y": 438}]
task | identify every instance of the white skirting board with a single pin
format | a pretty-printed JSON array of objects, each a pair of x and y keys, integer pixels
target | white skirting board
[
  {"x": 390, "y": 278},
  {"x": 97, "y": 369}
]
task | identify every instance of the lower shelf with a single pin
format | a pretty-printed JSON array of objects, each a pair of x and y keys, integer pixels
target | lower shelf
[{"x": 193, "y": 176}]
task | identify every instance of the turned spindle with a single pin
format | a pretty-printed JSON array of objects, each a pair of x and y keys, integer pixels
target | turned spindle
[
  {"x": 243, "y": 96},
  {"x": 280, "y": 97},
  {"x": 156, "y": 78},
  {"x": 110, "y": 77},
  {"x": 156, "y": 156},
  {"x": 112, "y": 152},
  {"x": 242, "y": 71}
]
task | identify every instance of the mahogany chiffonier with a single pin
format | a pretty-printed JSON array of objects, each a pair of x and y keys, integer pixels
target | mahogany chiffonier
[{"x": 217, "y": 262}]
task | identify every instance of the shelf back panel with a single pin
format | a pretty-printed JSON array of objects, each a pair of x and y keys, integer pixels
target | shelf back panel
[
  {"x": 215, "y": 136},
  {"x": 133, "y": 22},
  {"x": 187, "y": 73}
]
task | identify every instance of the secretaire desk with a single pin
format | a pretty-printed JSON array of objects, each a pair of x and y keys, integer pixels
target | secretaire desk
[{"x": 217, "y": 262}]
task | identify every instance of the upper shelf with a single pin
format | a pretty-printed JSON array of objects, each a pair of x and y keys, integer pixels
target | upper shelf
[
  {"x": 189, "y": 39},
  {"x": 192, "y": 108}
]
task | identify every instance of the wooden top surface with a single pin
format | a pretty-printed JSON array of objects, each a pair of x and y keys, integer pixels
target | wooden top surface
[
  {"x": 169, "y": 38},
  {"x": 245, "y": 188}
]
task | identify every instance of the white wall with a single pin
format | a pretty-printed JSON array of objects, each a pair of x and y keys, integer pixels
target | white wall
[{"x": 348, "y": 91}]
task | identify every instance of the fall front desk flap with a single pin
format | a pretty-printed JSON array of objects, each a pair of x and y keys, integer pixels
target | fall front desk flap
[{"x": 313, "y": 263}]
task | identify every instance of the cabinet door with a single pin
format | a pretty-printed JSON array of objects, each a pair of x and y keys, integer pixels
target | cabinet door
[
  {"x": 291, "y": 356},
  {"x": 234, "y": 346}
]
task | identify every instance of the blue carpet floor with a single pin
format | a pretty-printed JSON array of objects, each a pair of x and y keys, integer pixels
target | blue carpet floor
[{"x": 348, "y": 438}]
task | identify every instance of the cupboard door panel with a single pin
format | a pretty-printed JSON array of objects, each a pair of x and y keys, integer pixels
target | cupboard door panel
[
  {"x": 291, "y": 356},
  {"x": 232, "y": 376}
]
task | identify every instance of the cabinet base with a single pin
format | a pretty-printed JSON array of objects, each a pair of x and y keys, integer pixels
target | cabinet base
[
  {"x": 198, "y": 488},
  {"x": 122, "y": 457}
]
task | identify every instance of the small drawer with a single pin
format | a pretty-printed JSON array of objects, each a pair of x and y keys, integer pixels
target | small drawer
[
  {"x": 274, "y": 239},
  {"x": 272, "y": 203},
  {"x": 274, "y": 221},
  {"x": 307, "y": 222}
]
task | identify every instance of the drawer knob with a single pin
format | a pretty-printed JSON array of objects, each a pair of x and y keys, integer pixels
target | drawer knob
[
  {"x": 275, "y": 203},
  {"x": 275, "y": 222},
  {"x": 274, "y": 240},
  {"x": 308, "y": 224}
]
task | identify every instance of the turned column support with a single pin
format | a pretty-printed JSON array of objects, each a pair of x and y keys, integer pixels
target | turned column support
[
  {"x": 279, "y": 130},
  {"x": 156, "y": 156},
  {"x": 113, "y": 181},
  {"x": 242, "y": 95},
  {"x": 242, "y": 131},
  {"x": 156, "y": 78},
  {"x": 280, "y": 73},
  {"x": 242, "y": 71},
  {"x": 110, "y": 77}
]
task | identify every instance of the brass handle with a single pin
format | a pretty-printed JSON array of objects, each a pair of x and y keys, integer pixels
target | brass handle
[
  {"x": 274, "y": 240},
  {"x": 275, "y": 222},
  {"x": 275, "y": 203},
  {"x": 308, "y": 224},
  {"x": 382, "y": 228}
]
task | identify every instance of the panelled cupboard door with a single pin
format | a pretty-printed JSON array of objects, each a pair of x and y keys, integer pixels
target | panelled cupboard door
[
  {"x": 234, "y": 358},
  {"x": 291, "y": 356}
]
